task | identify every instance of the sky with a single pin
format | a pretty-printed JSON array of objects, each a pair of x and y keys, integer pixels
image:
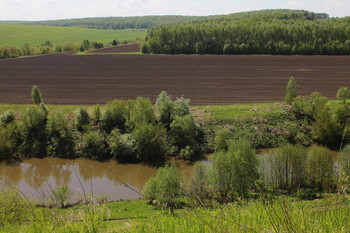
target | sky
[{"x": 65, "y": 9}]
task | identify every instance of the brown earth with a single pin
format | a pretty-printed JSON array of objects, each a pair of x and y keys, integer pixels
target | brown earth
[
  {"x": 206, "y": 79},
  {"x": 129, "y": 48}
]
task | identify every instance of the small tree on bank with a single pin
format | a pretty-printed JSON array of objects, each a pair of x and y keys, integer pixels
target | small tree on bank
[
  {"x": 36, "y": 95},
  {"x": 292, "y": 89}
]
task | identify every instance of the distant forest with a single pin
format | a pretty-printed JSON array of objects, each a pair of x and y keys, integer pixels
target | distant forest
[
  {"x": 114, "y": 23},
  {"x": 256, "y": 32}
]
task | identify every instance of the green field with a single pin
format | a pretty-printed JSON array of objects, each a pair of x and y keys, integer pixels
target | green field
[{"x": 17, "y": 35}]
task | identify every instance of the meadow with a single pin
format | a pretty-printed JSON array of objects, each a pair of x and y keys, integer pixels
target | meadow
[{"x": 18, "y": 35}]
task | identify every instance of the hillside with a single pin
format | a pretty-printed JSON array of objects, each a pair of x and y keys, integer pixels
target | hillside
[
  {"x": 114, "y": 23},
  {"x": 17, "y": 35},
  {"x": 257, "y": 32}
]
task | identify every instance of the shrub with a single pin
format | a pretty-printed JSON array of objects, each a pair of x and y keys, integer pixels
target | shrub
[
  {"x": 326, "y": 130},
  {"x": 115, "y": 116},
  {"x": 343, "y": 94},
  {"x": 7, "y": 117},
  {"x": 165, "y": 187},
  {"x": 185, "y": 132},
  {"x": 14, "y": 209},
  {"x": 309, "y": 105},
  {"x": 36, "y": 95},
  {"x": 292, "y": 89},
  {"x": 7, "y": 141},
  {"x": 122, "y": 146},
  {"x": 182, "y": 106},
  {"x": 234, "y": 171},
  {"x": 91, "y": 145},
  {"x": 344, "y": 161},
  {"x": 82, "y": 119},
  {"x": 285, "y": 168},
  {"x": 150, "y": 141},
  {"x": 60, "y": 138},
  {"x": 141, "y": 113},
  {"x": 320, "y": 169},
  {"x": 198, "y": 186},
  {"x": 60, "y": 195},
  {"x": 165, "y": 107},
  {"x": 221, "y": 140},
  {"x": 97, "y": 115},
  {"x": 33, "y": 131}
]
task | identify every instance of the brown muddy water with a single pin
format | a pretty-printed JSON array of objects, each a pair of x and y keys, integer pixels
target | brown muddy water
[{"x": 36, "y": 178}]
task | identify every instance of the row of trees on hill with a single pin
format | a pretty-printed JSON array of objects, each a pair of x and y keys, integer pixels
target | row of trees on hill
[{"x": 267, "y": 32}]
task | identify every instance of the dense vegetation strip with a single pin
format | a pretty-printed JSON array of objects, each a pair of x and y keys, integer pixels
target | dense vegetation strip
[{"x": 260, "y": 32}]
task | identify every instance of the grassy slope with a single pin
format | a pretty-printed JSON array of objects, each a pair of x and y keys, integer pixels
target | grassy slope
[{"x": 17, "y": 35}]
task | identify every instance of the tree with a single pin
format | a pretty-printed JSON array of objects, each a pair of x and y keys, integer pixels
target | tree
[
  {"x": 82, "y": 119},
  {"x": 292, "y": 89},
  {"x": 343, "y": 94},
  {"x": 36, "y": 95}
]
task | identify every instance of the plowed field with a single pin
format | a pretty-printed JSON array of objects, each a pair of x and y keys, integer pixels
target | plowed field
[{"x": 207, "y": 79}]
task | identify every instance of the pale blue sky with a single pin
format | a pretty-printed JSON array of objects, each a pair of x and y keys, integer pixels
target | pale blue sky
[{"x": 61, "y": 9}]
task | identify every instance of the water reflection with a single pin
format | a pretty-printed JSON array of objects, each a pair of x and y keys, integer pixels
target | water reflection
[{"x": 37, "y": 177}]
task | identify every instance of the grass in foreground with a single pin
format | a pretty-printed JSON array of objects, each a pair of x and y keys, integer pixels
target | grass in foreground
[
  {"x": 282, "y": 214},
  {"x": 17, "y": 35}
]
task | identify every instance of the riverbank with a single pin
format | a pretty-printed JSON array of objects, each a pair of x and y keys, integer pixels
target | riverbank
[{"x": 281, "y": 214}]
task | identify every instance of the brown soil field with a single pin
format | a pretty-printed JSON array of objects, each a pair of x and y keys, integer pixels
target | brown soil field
[
  {"x": 205, "y": 79},
  {"x": 129, "y": 48}
]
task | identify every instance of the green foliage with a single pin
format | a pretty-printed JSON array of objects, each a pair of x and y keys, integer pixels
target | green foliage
[
  {"x": 284, "y": 168},
  {"x": 309, "y": 105},
  {"x": 343, "y": 94},
  {"x": 185, "y": 132},
  {"x": 344, "y": 162},
  {"x": 122, "y": 146},
  {"x": 33, "y": 131},
  {"x": 60, "y": 137},
  {"x": 292, "y": 90},
  {"x": 36, "y": 95},
  {"x": 257, "y": 32},
  {"x": 165, "y": 187},
  {"x": 141, "y": 113},
  {"x": 7, "y": 141},
  {"x": 320, "y": 169},
  {"x": 91, "y": 144},
  {"x": 326, "y": 129},
  {"x": 115, "y": 116},
  {"x": 182, "y": 106},
  {"x": 14, "y": 209},
  {"x": 60, "y": 195},
  {"x": 97, "y": 115},
  {"x": 234, "y": 172},
  {"x": 150, "y": 142},
  {"x": 198, "y": 186},
  {"x": 82, "y": 119},
  {"x": 7, "y": 117},
  {"x": 221, "y": 140},
  {"x": 165, "y": 107}
]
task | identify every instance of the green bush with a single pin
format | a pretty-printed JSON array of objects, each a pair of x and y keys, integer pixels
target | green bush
[
  {"x": 97, "y": 115},
  {"x": 198, "y": 186},
  {"x": 150, "y": 141},
  {"x": 60, "y": 196},
  {"x": 122, "y": 146},
  {"x": 165, "y": 107},
  {"x": 82, "y": 119},
  {"x": 343, "y": 94},
  {"x": 221, "y": 140},
  {"x": 33, "y": 131},
  {"x": 91, "y": 144},
  {"x": 234, "y": 172},
  {"x": 319, "y": 168},
  {"x": 14, "y": 209},
  {"x": 292, "y": 89},
  {"x": 36, "y": 95},
  {"x": 60, "y": 137},
  {"x": 165, "y": 187},
  {"x": 7, "y": 141},
  {"x": 309, "y": 105},
  {"x": 326, "y": 130},
  {"x": 115, "y": 116},
  {"x": 141, "y": 113},
  {"x": 7, "y": 117},
  {"x": 285, "y": 168}
]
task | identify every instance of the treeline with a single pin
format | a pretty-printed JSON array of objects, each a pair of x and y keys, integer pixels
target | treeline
[
  {"x": 49, "y": 48},
  {"x": 118, "y": 23},
  {"x": 238, "y": 173},
  {"x": 261, "y": 32},
  {"x": 129, "y": 131}
]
